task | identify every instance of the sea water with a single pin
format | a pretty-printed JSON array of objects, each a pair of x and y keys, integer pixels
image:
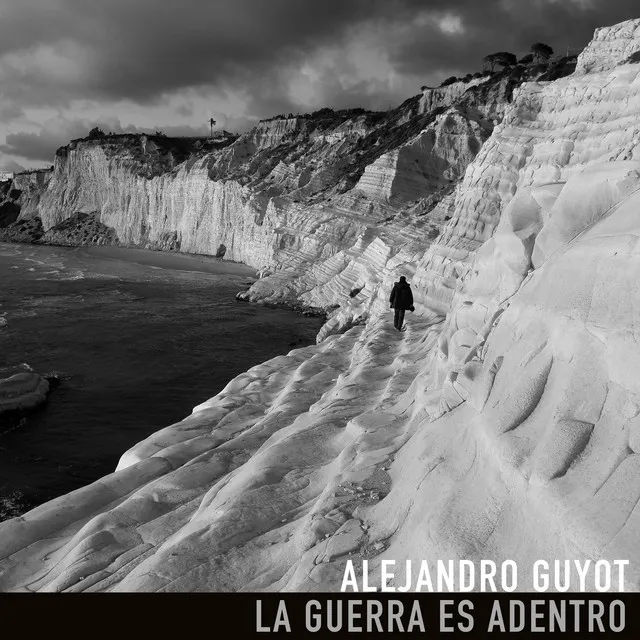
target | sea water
[{"x": 137, "y": 338}]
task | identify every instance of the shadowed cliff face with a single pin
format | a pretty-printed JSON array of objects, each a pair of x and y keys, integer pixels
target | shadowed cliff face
[{"x": 503, "y": 423}]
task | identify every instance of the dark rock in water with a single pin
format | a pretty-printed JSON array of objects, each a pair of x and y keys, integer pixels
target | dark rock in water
[
  {"x": 54, "y": 380},
  {"x": 81, "y": 229},
  {"x": 21, "y": 391}
]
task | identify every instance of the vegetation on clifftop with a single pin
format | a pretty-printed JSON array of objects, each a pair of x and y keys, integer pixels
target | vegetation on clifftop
[{"x": 150, "y": 155}]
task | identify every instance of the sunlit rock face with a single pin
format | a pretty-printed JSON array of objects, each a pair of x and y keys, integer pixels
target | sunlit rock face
[
  {"x": 290, "y": 194},
  {"x": 435, "y": 158},
  {"x": 502, "y": 424},
  {"x": 486, "y": 97},
  {"x": 437, "y": 97},
  {"x": 574, "y": 151},
  {"x": 246, "y": 201},
  {"x": 29, "y": 181},
  {"x": 610, "y": 47},
  {"x": 19, "y": 199}
]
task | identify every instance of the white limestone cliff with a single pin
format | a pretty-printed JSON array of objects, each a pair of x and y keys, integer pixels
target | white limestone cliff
[
  {"x": 432, "y": 160},
  {"x": 609, "y": 47},
  {"x": 502, "y": 424},
  {"x": 287, "y": 195},
  {"x": 437, "y": 97}
]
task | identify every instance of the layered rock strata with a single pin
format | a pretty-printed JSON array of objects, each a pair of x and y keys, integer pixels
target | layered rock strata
[{"x": 284, "y": 195}]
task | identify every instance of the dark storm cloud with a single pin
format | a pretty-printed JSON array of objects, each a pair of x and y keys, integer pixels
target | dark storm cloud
[
  {"x": 32, "y": 146},
  {"x": 11, "y": 165},
  {"x": 10, "y": 112},
  {"x": 57, "y": 132},
  {"x": 54, "y": 51},
  {"x": 141, "y": 49},
  {"x": 506, "y": 25}
]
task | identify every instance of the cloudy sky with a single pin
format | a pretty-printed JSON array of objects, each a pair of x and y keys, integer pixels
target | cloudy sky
[{"x": 129, "y": 65}]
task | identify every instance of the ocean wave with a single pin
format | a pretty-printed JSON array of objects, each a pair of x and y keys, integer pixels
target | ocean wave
[
  {"x": 23, "y": 313},
  {"x": 63, "y": 275},
  {"x": 10, "y": 370},
  {"x": 78, "y": 275}
]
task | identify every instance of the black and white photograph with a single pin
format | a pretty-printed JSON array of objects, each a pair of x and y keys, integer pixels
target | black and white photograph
[{"x": 325, "y": 311}]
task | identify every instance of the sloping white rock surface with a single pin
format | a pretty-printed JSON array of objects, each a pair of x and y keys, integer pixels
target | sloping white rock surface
[
  {"x": 504, "y": 423},
  {"x": 432, "y": 160}
]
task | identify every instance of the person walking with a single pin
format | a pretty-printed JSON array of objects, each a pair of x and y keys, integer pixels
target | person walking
[{"x": 401, "y": 299}]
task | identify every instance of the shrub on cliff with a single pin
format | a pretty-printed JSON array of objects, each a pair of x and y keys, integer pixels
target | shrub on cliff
[
  {"x": 96, "y": 132},
  {"x": 541, "y": 51},
  {"x": 448, "y": 81},
  {"x": 325, "y": 112},
  {"x": 502, "y": 58},
  {"x": 557, "y": 69}
]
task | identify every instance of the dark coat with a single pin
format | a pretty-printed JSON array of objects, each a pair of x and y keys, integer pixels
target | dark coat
[{"x": 401, "y": 296}]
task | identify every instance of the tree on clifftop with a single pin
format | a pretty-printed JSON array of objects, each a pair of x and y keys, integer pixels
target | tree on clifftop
[
  {"x": 448, "y": 81},
  {"x": 503, "y": 58},
  {"x": 96, "y": 132},
  {"x": 541, "y": 51}
]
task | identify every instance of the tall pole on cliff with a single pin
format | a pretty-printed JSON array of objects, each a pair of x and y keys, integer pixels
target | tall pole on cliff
[{"x": 212, "y": 122}]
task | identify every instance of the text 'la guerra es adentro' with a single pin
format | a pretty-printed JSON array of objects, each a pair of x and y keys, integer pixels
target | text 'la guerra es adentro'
[{"x": 365, "y": 614}]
